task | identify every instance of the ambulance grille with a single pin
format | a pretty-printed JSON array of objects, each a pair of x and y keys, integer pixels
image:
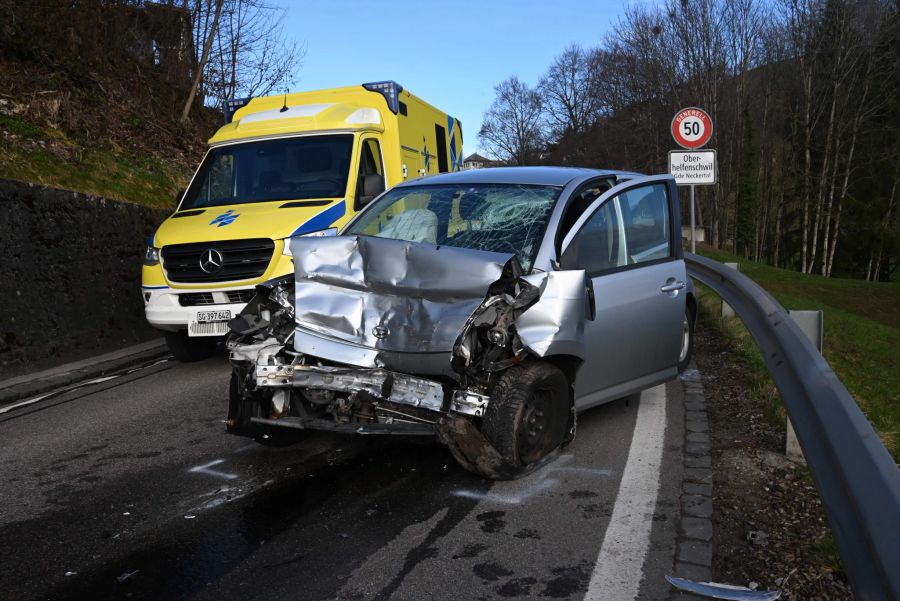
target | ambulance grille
[{"x": 240, "y": 260}]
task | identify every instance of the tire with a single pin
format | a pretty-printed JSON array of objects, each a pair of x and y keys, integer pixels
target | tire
[
  {"x": 526, "y": 419},
  {"x": 241, "y": 405},
  {"x": 686, "y": 351},
  {"x": 244, "y": 405},
  {"x": 188, "y": 349}
]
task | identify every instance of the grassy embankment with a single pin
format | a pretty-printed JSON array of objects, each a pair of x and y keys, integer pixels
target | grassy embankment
[
  {"x": 862, "y": 337},
  {"x": 45, "y": 155}
]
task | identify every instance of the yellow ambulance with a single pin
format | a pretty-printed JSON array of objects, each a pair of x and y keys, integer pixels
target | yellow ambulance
[{"x": 290, "y": 165}]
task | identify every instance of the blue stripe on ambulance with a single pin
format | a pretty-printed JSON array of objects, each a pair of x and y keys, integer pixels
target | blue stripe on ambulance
[
  {"x": 323, "y": 220},
  {"x": 450, "y": 121}
]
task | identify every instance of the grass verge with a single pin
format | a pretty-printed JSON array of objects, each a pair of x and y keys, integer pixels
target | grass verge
[
  {"x": 30, "y": 153},
  {"x": 862, "y": 335}
]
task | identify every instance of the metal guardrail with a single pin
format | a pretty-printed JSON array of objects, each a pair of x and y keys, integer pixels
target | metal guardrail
[{"x": 856, "y": 477}]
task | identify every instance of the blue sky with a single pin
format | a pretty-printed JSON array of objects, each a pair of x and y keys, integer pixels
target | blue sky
[{"x": 451, "y": 54}]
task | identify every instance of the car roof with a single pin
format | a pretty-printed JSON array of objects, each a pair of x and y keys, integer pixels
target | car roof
[{"x": 546, "y": 176}]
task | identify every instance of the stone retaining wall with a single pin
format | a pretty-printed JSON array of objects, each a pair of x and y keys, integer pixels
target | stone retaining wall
[{"x": 71, "y": 268}]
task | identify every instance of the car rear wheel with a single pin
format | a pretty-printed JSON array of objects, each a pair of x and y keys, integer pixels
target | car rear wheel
[
  {"x": 687, "y": 340},
  {"x": 526, "y": 418},
  {"x": 188, "y": 349}
]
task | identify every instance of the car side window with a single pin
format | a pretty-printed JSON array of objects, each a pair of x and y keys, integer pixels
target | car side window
[
  {"x": 645, "y": 213},
  {"x": 629, "y": 229},
  {"x": 599, "y": 246}
]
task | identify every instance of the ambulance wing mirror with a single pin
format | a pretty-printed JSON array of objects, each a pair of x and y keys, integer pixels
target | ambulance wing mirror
[{"x": 372, "y": 186}]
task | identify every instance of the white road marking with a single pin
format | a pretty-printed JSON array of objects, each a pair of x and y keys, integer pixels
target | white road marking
[
  {"x": 24, "y": 403},
  {"x": 252, "y": 445},
  {"x": 49, "y": 394},
  {"x": 618, "y": 572},
  {"x": 205, "y": 469}
]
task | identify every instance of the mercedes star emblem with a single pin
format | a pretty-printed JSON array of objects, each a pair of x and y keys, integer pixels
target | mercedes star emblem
[{"x": 211, "y": 261}]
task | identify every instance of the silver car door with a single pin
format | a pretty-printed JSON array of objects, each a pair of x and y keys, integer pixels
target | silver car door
[{"x": 628, "y": 242}]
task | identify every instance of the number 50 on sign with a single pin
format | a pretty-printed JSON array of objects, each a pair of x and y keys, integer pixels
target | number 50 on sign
[{"x": 692, "y": 128}]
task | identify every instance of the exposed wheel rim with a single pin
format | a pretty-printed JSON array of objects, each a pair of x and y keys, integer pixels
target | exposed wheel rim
[
  {"x": 536, "y": 427},
  {"x": 685, "y": 339}
]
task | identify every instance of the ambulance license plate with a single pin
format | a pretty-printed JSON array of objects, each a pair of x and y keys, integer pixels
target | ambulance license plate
[{"x": 210, "y": 316}]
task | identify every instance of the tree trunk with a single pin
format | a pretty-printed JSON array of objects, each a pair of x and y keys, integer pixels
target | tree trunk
[
  {"x": 778, "y": 219},
  {"x": 823, "y": 181},
  {"x": 203, "y": 58},
  {"x": 826, "y": 226}
]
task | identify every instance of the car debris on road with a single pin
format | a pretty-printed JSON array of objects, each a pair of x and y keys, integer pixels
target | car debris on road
[{"x": 716, "y": 590}]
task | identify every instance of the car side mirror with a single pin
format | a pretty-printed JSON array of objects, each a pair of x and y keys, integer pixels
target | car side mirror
[
  {"x": 179, "y": 195},
  {"x": 371, "y": 186}
]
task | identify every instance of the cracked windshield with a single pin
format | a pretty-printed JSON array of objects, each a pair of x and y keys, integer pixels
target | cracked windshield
[{"x": 496, "y": 218}]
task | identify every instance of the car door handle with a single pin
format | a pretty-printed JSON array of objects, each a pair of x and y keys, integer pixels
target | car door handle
[{"x": 672, "y": 287}]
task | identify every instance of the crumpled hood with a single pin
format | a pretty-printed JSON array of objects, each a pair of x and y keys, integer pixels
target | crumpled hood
[{"x": 389, "y": 295}]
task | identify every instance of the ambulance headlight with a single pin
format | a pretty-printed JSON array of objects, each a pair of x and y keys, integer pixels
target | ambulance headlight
[
  {"x": 151, "y": 256},
  {"x": 332, "y": 231}
]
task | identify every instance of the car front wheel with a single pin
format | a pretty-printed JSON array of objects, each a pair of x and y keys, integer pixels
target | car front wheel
[{"x": 526, "y": 418}]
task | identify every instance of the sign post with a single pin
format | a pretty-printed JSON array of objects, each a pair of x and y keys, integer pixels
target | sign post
[{"x": 692, "y": 128}]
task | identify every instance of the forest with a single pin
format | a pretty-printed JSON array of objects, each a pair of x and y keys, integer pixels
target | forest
[{"x": 805, "y": 100}]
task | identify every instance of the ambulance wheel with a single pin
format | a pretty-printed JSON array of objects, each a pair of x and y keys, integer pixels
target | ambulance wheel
[{"x": 188, "y": 349}]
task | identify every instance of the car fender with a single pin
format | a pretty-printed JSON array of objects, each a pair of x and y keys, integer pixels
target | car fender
[{"x": 554, "y": 325}]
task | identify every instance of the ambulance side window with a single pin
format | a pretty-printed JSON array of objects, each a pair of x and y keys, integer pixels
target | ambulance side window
[
  {"x": 370, "y": 161},
  {"x": 369, "y": 164}
]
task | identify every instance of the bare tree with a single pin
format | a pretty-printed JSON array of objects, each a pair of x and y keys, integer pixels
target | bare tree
[
  {"x": 246, "y": 51},
  {"x": 252, "y": 54},
  {"x": 569, "y": 94},
  {"x": 204, "y": 56},
  {"x": 511, "y": 130}
]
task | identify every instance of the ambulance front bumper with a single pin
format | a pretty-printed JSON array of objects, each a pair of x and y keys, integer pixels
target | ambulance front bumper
[{"x": 199, "y": 312}]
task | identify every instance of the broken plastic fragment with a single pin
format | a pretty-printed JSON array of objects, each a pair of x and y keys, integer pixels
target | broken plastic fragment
[
  {"x": 127, "y": 576},
  {"x": 715, "y": 590}
]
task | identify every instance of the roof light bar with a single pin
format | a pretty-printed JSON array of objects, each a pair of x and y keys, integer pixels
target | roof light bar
[
  {"x": 230, "y": 107},
  {"x": 390, "y": 90}
]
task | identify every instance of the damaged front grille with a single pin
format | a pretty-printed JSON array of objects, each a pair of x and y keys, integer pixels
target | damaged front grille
[{"x": 223, "y": 261}]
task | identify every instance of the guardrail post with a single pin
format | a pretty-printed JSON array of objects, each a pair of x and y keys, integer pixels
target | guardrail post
[
  {"x": 727, "y": 311},
  {"x": 812, "y": 323}
]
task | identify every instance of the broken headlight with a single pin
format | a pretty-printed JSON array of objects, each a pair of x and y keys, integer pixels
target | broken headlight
[
  {"x": 151, "y": 256},
  {"x": 332, "y": 231}
]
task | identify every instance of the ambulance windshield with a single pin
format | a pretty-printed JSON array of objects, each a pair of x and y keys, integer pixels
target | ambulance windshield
[{"x": 295, "y": 168}]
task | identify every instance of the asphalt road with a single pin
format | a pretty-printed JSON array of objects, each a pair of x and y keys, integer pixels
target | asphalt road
[{"x": 130, "y": 489}]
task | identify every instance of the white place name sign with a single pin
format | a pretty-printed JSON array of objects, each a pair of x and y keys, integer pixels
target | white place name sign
[{"x": 693, "y": 167}]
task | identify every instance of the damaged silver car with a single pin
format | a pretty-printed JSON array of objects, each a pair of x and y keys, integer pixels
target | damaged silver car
[{"x": 486, "y": 308}]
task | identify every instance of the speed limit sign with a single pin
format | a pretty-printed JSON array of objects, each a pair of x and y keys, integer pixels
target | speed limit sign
[{"x": 692, "y": 128}]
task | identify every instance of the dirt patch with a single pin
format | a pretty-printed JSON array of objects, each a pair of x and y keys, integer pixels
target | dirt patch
[{"x": 769, "y": 524}]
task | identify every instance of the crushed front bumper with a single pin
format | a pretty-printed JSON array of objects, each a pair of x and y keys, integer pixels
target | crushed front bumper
[{"x": 402, "y": 404}]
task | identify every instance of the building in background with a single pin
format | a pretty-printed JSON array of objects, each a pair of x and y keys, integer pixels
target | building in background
[{"x": 476, "y": 161}]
